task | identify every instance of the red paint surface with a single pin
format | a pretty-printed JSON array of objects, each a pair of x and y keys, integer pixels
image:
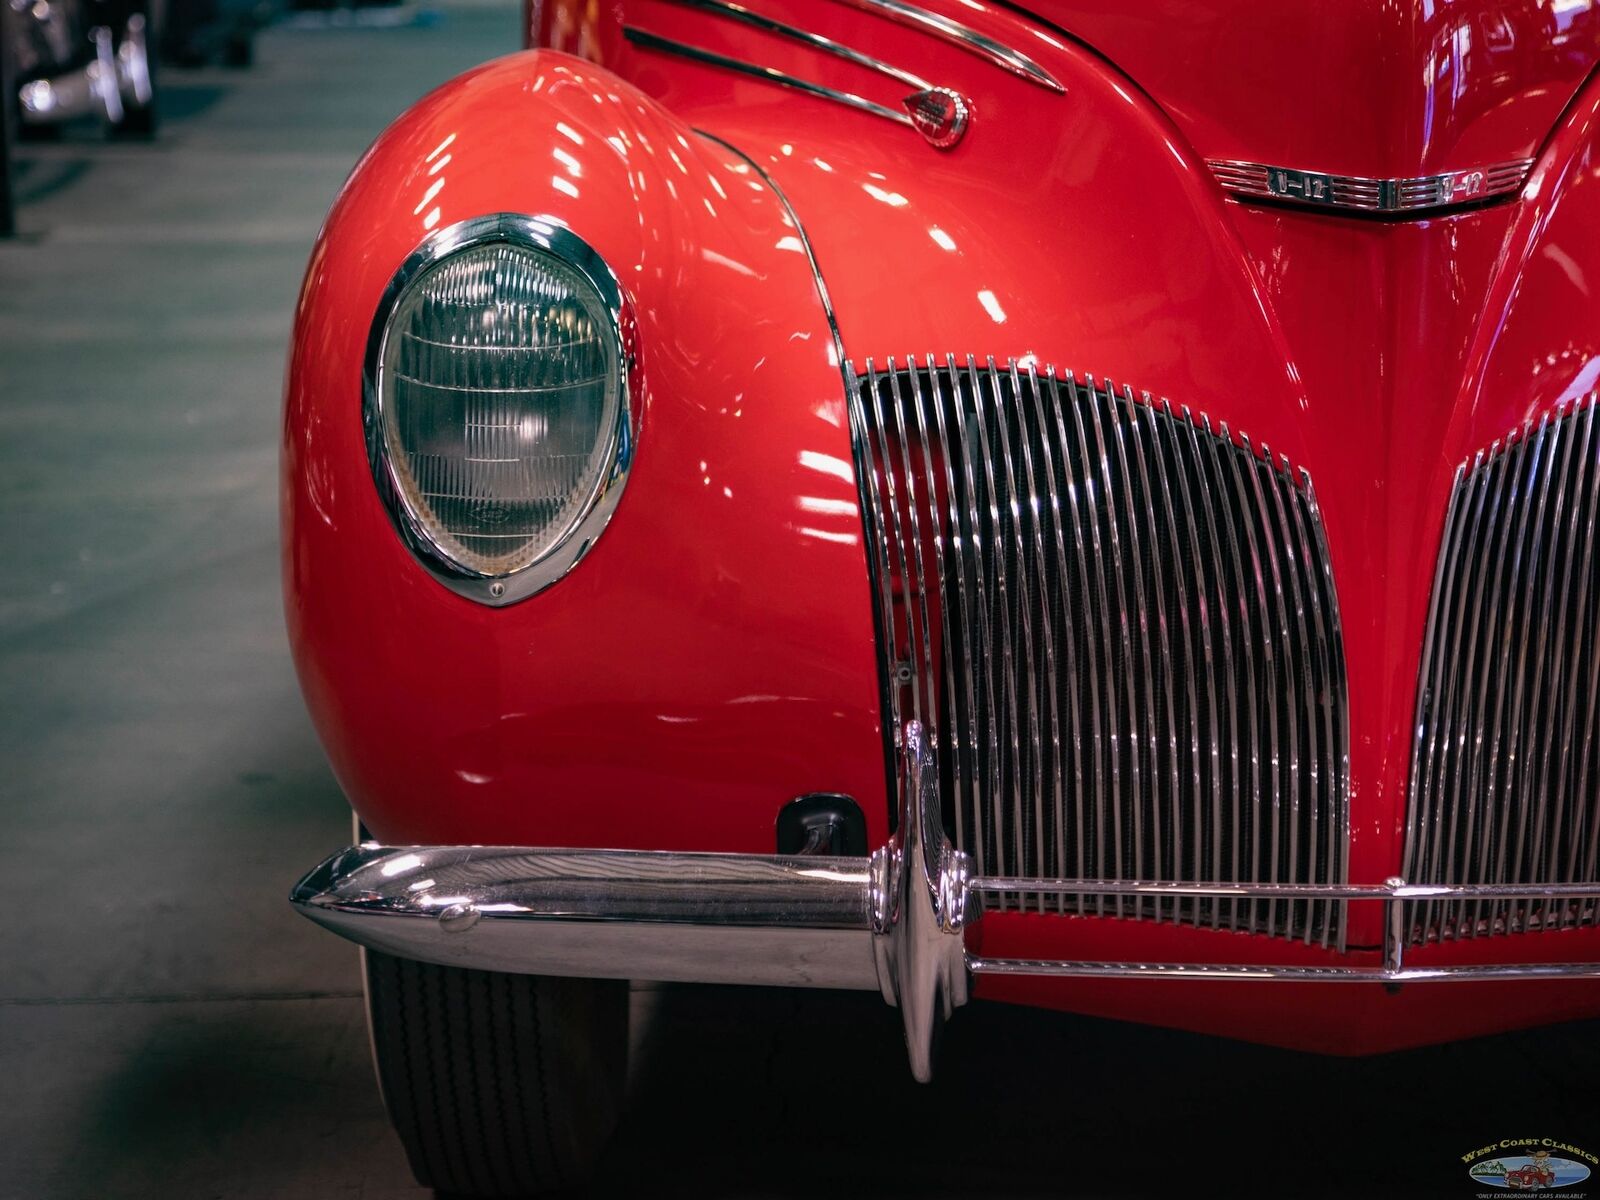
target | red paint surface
[
  {"x": 1378, "y": 88},
  {"x": 710, "y": 659}
]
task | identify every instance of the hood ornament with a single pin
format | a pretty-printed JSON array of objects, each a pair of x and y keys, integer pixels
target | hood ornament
[{"x": 939, "y": 114}]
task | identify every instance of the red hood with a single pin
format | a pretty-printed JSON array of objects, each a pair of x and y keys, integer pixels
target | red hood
[{"x": 1382, "y": 88}]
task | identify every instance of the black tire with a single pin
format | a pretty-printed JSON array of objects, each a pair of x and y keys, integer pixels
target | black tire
[{"x": 498, "y": 1085}]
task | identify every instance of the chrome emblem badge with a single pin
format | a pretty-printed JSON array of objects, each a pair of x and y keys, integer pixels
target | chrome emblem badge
[
  {"x": 1463, "y": 185},
  {"x": 1300, "y": 185},
  {"x": 1361, "y": 193},
  {"x": 940, "y": 115}
]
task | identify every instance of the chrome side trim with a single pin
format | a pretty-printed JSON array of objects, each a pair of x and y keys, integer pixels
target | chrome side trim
[
  {"x": 1361, "y": 194},
  {"x": 957, "y": 34},
  {"x": 551, "y": 236},
  {"x": 651, "y": 41},
  {"x": 738, "y": 12}
]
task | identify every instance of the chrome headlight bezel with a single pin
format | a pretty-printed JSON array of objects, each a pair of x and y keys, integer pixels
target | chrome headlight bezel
[{"x": 545, "y": 235}]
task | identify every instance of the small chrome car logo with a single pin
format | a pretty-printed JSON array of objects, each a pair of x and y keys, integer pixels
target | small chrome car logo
[{"x": 940, "y": 115}]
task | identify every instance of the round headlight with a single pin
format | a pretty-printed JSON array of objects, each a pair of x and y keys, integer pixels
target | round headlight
[{"x": 496, "y": 403}]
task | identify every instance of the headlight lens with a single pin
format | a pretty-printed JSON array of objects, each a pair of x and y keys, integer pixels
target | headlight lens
[{"x": 501, "y": 432}]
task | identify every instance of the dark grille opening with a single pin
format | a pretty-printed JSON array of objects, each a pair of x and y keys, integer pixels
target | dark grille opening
[
  {"x": 1119, "y": 625},
  {"x": 1504, "y": 771}
]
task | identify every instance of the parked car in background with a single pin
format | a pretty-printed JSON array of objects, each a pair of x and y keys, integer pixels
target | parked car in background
[
  {"x": 715, "y": 548},
  {"x": 79, "y": 58}
]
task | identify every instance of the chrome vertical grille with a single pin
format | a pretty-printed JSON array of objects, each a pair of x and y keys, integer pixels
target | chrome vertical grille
[
  {"x": 1121, "y": 627},
  {"x": 1504, "y": 773}
]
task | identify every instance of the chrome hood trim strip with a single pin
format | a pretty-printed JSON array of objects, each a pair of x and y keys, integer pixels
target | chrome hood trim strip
[
  {"x": 816, "y": 41},
  {"x": 945, "y": 29},
  {"x": 652, "y": 41},
  {"x": 939, "y": 114}
]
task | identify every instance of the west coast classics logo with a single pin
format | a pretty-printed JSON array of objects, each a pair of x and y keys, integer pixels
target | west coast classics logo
[{"x": 1530, "y": 1165}]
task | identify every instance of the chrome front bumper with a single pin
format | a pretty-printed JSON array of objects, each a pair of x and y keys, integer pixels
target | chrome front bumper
[{"x": 894, "y": 922}]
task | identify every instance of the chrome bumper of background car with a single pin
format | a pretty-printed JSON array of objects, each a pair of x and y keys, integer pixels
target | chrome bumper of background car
[{"x": 894, "y": 921}]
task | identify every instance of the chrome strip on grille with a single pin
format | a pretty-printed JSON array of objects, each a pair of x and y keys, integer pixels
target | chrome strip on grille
[
  {"x": 1321, "y": 190},
  {"x": 1121, "y": 629},
  {"x": 1508, "y": 697}
]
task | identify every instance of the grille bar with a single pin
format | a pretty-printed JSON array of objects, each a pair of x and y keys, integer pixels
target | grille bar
[
  {"x": 1120, "y": 627},
  {"x": 1507, "y": 701}
]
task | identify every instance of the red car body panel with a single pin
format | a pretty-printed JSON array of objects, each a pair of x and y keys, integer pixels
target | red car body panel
[
  {"x": 1357, "y": 87},
  {"x": 714, "y": 656},
  {"x": 710, "y": 661}
]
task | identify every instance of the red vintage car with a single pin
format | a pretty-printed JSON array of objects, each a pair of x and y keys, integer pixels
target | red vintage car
[
  {"x": 1075, "y": 503},
  {"x": 1530, "y": 1177}
]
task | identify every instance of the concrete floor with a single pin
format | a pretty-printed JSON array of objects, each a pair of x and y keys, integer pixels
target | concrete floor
[{"x": 169, "y": 1029}]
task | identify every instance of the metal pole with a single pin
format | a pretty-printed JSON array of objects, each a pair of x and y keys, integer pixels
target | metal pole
[{"x": 8, "y": 117}]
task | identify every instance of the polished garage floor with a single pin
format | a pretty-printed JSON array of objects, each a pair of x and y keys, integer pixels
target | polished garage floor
[{"x": 169, "y": 1029}]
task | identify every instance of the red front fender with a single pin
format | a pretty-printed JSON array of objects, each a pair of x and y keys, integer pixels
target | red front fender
[{"x": 712, "y": 657}]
